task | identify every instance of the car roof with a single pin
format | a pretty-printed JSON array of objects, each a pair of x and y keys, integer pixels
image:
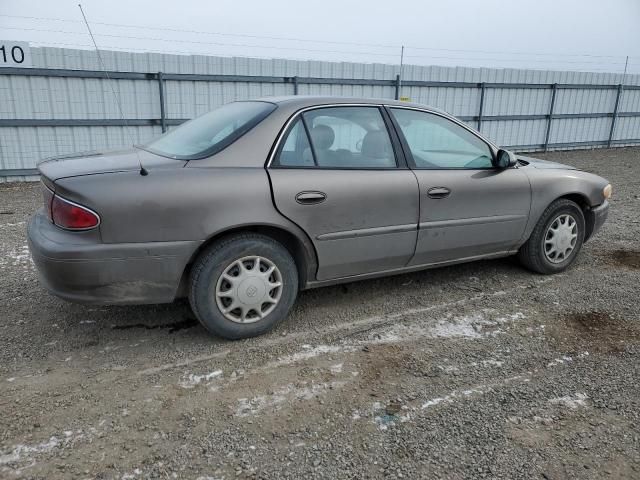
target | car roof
[{"x": 302, "y": 101}]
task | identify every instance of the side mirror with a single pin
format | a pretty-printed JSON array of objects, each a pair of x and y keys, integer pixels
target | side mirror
[{"x": 505, "y": 159}]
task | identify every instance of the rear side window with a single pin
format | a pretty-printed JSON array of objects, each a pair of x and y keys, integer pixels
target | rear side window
[
  {"x": 338, "y": 137},
  {"x": 296, "y": 150},
  {"x": 211, "y": 132}
]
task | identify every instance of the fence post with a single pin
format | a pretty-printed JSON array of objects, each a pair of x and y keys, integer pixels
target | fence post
[
  {"x": 554, "y": 89},
  {"x": 481, "y": 86},
  {"x": 163, "y": 114},
  {"x": 615, "y": 115},
  {"x": 397, "y": 96},
  {"x": 295, "y": 85}
]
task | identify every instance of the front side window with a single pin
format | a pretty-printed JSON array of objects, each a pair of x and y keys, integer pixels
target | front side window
[
  {"x": 437, "y": 142},
  {"x": 211, "y": 132},
  {"x": 338, "y": 137}
]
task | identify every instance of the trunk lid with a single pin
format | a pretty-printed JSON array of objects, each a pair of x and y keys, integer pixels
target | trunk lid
[{"x": 100, "y": 162}]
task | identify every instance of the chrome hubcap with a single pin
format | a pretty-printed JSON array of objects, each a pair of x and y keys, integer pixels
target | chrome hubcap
[
  {"x": 249, "y": 289},
  {"x": 560, "y": 239}
]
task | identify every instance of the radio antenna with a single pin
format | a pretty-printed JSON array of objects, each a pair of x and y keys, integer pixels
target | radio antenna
[{"x": 143, "y": 171}]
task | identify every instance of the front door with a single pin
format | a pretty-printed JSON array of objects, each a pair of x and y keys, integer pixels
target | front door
[
  {"x": 468, "y": 208},
  {"x": 336, "y": 175}
]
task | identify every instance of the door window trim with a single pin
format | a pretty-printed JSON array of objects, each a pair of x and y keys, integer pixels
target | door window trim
[
  {"x": 305, "y": 127},
  {"x": 407, "y": 150},
  {"x": 398, "y": 150}
]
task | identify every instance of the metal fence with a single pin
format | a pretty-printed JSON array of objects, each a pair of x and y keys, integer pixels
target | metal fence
[{"x": 51, "y": 113}]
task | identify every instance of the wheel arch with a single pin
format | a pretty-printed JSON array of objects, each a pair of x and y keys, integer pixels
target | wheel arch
[
  {"x": 583, "y": 202},
  {"x": 579, "y": 199},
  {"x": 301, "y": 250}
]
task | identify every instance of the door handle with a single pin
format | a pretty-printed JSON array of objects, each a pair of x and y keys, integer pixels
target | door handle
[
  {"x": 438, "y": 192},
  {"x": 310, "y": 198}
]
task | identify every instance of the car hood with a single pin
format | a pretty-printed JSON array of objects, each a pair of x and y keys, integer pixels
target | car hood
[
  {"x": 543, "y": 164},
  {"x": 99, "y": 162}
]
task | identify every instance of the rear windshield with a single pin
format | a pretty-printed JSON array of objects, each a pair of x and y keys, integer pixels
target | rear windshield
[{"x": 211, "y": 132}]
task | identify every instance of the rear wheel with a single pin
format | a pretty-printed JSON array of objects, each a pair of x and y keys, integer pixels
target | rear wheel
[
  {"x": 243, "y": 286},
  {"x": 556, "y": 239}
]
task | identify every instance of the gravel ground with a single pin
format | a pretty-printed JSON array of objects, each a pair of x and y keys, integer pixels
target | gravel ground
[{"x": 481, "y": 370}]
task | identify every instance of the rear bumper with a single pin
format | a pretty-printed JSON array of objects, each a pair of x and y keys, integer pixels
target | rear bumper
[
  {"x": 78, "y": 267},
  {"x": 598, "y": 215}
]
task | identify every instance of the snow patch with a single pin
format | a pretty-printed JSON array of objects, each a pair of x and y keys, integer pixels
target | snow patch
[
  {"x": 559, "y": 361},
  {"x": 458, "y": 327},
  {"x": 22, "y": 453},
  {"x": 16, "y": 257},
  {"x": 129, "y": 476},
  {"x": 448, "y": 368},
  {"x": 337, "y": 368},
  {"x": 572, "y": 401},
  {"x": 477, "y": 390},
  {"x": 436, "y": 401},
  {"x": 474, "y": 326},
  {"x": 192, "y": 380},
  {"x": 311, "y": 352},
  {"x": 455, "y": 394},
  {"x": 565, "y": 359},
  {"x": 488, "y": 363},
  {"x": 254, "y": 405}
]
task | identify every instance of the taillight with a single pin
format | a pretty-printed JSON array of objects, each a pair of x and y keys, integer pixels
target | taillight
[{"x": 72, "y": 216}]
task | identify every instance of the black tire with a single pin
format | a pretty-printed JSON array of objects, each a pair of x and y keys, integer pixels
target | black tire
[
  {"x": 210, "y": 265},
  {"x": 532, "y": 253}
]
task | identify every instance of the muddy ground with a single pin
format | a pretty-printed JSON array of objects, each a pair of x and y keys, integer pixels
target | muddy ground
[{"x": 481, "y": 370}]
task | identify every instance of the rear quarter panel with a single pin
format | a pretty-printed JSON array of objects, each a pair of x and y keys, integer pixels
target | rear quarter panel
[{"x": 177, "y": 204}]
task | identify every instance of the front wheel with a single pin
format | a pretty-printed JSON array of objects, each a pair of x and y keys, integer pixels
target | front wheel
[
  {"x": 243, "y": 286},
  {"x": 556, "y": 238}
]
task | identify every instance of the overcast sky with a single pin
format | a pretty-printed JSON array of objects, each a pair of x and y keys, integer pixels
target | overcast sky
[{"x": 588, "y": 35}]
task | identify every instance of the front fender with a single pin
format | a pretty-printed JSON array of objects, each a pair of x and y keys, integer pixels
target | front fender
[{"x": 547, "y": 185}]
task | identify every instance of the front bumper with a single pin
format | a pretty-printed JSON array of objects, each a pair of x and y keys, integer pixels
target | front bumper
[
  {"x": 598, "y": 215},
  {"x": 78, "y": 267}
]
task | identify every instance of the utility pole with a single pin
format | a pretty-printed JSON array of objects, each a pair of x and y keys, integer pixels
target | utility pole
[{"x": 401, "y": 64}]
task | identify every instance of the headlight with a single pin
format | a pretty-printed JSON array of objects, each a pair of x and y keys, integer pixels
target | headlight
[{"x": 606, "y": 191}]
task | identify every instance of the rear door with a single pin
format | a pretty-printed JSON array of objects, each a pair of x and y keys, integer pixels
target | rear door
[
  {"x": 468, "y": 208},
  {"x": 336, "y": 174}
]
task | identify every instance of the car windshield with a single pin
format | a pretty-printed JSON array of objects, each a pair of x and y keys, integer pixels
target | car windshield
[{"x": 208, "y": 134}]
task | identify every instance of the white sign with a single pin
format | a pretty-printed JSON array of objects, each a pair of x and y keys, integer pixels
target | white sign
[{"x": 14, "y": 54}]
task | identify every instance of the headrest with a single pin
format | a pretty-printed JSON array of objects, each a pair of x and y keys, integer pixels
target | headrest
[
  {"x": 322, "y": 137},
  {"x": 376, "y": 144}
]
